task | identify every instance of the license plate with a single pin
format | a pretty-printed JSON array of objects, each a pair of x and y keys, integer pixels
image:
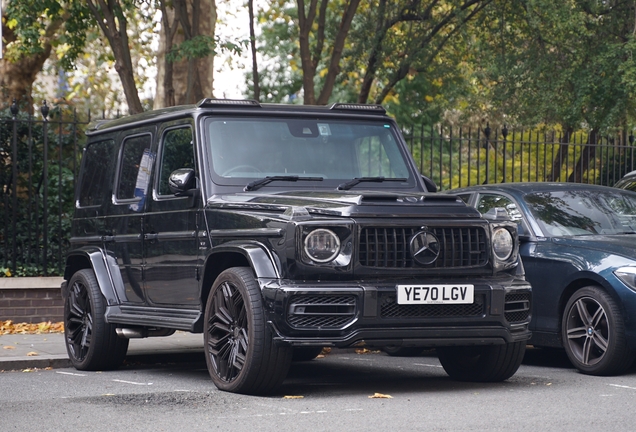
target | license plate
[{"x": 435, "y": 294}]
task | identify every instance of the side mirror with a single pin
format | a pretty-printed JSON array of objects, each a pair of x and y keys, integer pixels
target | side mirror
[
  {"x": 497, "y": 214},
  {"x": 182, "y": 181},
  {"x": 430, "y": 184}
]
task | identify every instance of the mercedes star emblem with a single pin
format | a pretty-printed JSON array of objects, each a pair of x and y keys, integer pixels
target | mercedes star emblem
[{"x": 425, "y": 247}]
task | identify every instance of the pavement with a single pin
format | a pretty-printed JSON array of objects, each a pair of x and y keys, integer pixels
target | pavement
[{"x": 31, "y": 351}]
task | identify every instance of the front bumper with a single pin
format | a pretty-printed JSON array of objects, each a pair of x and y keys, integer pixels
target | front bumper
[{"x": 366, "y": 313}]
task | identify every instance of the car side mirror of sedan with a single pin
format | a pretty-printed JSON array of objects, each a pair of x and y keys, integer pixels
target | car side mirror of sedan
[
  {"x": 497, "y": 214},
  {"x": 430, "y": 184}
]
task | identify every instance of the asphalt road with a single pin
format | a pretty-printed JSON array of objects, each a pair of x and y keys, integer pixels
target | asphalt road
[{"x": 330, "y": 394}]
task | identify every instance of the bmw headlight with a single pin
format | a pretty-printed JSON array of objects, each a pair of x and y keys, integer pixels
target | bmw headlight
[
  {"x": 627, "y": 275},
  {"x": 502, "y": 243},
  {"x": 322, "y": 245}
]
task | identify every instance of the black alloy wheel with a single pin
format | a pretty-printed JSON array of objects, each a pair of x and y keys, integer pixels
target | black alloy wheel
[
  {"x": 240, "y": 353},
  {"x": 593, "y": 333},
  {"x": 91, "y": 343}
]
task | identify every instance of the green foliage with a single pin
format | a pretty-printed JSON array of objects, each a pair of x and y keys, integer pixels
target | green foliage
[
  {"x": 567, "y": 63},
  {"x": 35, "y": 22},
  {"x": 202, "y": 46}
]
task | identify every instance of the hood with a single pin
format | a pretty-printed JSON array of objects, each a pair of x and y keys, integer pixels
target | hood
[
  {"x": 621, "y": 244},
  {"x": 348, "y": 204}
]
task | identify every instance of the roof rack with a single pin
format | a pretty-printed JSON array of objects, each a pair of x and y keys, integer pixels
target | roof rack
[
  {"x": 376, "y": 109},
  {"x": 210, "y": 102}
]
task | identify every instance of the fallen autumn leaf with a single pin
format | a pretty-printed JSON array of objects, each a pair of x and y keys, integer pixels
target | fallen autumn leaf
[{"x": 380, "y": 396}]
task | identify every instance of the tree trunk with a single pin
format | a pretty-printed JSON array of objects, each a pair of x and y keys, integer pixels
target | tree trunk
[
  {"x": 587, "y": 154},
  {"x": 305, "y": 23},
  {"x": 334, "y": 65},
  {"x": 112, "y": 21},
  {"x": 557, "y": 163},
  {"x": 17, "y": 78},
  {"x": 190, "y": 80},
  {"x": 255, "y": 79},
  {"x": 309, "y": 63},
  {"x": 374, "y": 57}
]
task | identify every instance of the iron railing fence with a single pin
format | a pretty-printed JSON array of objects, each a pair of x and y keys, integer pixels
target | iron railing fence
[
  {"x": 456, "y": 157},
  {"x": 40, "y": 157},
  {"x": 39, "y": 161}
]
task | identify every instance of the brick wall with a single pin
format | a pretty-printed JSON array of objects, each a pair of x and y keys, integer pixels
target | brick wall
[{"x": 31, "y": 301}]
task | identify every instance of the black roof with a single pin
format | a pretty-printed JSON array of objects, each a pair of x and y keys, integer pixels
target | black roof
[{"x": 236, "y": 106}]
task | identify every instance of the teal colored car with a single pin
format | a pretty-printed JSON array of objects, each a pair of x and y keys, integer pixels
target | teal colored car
[{"x": 578, "y": 247}]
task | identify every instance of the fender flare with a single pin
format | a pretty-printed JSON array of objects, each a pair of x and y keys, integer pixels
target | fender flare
[
  {"x": 264, "y": 263},
  {"x": 102, "y": 264}
]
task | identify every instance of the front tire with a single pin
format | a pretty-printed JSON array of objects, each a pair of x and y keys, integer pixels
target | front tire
[
  {"x": 92, "y": 344},
  {"x": 240, "y": 353},
  {"x": 489, "y": 363},
  {"x": 593, "y": 333}
]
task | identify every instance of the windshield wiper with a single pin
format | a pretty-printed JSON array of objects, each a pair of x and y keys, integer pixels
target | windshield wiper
[
  {"x": 262, "y": 182},
  {"x": 348, "y": 185}
]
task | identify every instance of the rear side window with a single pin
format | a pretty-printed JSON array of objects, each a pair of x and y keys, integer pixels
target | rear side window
[
  {"x": 136, "y": 167},
  {"x": 98, "y": 163}
]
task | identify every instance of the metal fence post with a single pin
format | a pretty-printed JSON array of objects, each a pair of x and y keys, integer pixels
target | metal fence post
[
  {"x": 45, "y": 195},
  {"x": 14, "y": 184}
]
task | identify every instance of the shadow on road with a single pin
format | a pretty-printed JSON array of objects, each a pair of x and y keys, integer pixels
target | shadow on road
[{"x": 549, "y": 357}]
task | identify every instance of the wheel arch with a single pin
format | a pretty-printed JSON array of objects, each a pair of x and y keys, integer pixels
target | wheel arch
[
  {"x": 585, "y": 279},
  {"x": 90, "y": 257},
  {"x": 235, "y": 254}
]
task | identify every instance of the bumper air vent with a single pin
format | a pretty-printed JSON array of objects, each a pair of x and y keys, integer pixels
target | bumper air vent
[
  {"x": 517, "y": 307},
  {"x": 390, "y": 309},
  {"x": 321, "y": 311}
]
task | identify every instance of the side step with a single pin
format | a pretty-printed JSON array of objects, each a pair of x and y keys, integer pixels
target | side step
[{"x": 150, "y": 317}]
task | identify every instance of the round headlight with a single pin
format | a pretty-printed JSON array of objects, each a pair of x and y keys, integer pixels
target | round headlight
[
  {"x": 322, "y": 245},
  {"x": 502, "y": 243}
]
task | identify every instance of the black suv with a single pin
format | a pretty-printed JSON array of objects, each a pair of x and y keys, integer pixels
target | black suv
[{"x": 276, "y": 230}]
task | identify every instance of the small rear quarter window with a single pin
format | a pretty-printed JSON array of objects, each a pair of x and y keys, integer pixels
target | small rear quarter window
[{"x": 95, "y": 182}]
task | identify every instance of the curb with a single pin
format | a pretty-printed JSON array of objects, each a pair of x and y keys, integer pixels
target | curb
[{"x": 59, "y": 361}]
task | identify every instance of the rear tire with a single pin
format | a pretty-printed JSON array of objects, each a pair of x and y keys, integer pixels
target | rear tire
[
  {"x": 91, "y": 343},
  {"x": 489, "y": 363},
  {"x": 239, "y": 351}
]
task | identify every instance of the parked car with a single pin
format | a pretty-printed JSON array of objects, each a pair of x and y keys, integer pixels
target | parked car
[
  {"x": 627, "y": 182},
  {"x": 578, "y": 247},
  {"x": 276, "y": 230}
]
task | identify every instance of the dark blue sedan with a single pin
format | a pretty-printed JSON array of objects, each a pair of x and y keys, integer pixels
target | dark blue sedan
[{"x": 578, "y": 246}]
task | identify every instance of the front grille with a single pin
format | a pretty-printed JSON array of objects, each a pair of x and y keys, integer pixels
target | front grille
[
  {"x": 390, "y": 309},
  {"x": 321, "y": 311},
  {"x": 517, "y": 307},
  {"x": 389, "y": 247}
]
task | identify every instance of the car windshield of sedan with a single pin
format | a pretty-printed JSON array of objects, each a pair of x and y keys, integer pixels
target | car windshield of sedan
[
  {"x": 583, "y": 212},
  {"x": 244, "y": 150}
]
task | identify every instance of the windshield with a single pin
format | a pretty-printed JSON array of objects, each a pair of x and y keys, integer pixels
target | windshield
[
  {"x": 325, "y": 153},
  {"x": 584, "y": 212}
]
